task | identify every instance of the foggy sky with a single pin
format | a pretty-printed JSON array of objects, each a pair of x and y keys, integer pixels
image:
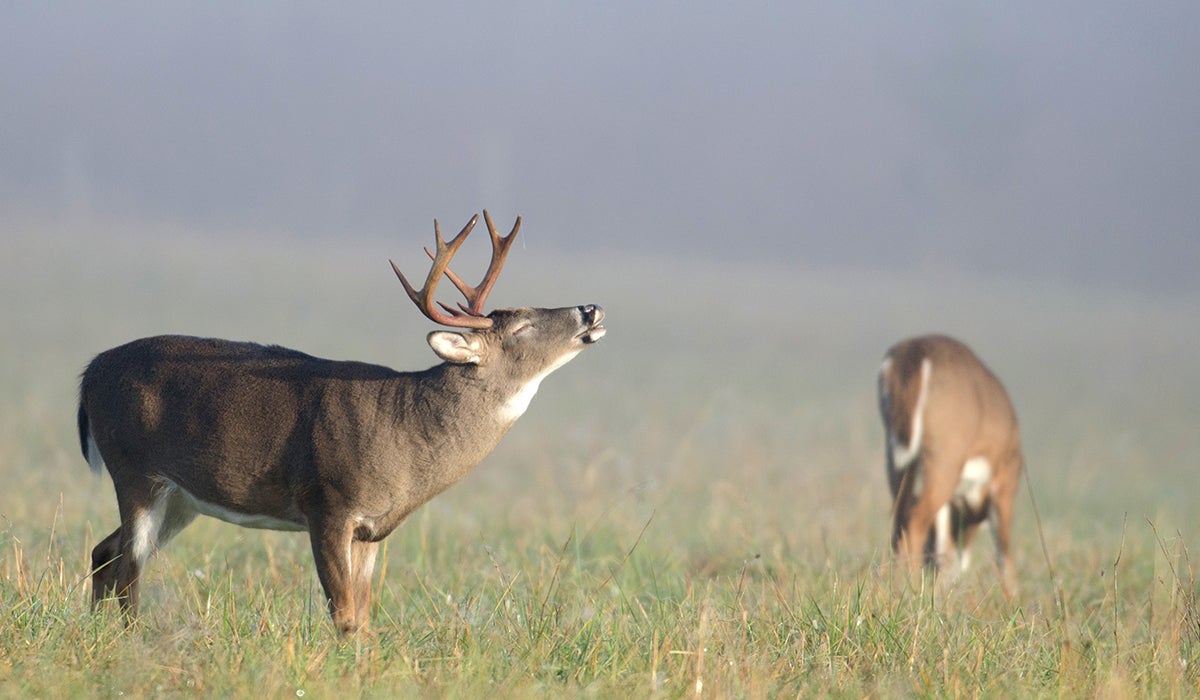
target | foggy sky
[{"x": 1051, "y": 140}]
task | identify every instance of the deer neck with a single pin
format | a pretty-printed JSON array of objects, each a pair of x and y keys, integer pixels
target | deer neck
[
  {"x": 448, "y": 418},
  {"x": 474, "y": 400}
]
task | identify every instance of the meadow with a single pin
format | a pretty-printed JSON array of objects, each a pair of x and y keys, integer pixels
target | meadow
[{"x": 696, "y": 506}]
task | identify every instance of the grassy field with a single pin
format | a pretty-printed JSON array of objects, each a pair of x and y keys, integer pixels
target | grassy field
[{"x": 697, "y": 505}]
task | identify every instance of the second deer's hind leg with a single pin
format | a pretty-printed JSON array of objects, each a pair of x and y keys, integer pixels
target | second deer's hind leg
[
  {"x": 926, "y": 536},
  {"x": 1001, "y": 516}
]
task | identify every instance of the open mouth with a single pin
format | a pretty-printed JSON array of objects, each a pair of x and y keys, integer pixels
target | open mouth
[
  {"x": 595, "y": 331},
  {"x": 592, "y": 334}
]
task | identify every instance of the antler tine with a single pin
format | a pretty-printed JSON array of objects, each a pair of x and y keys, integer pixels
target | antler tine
[
  {"x": 467, "y": 290},
  {"x": 500, "y": 246},
  {"x": 441, "y": 261},
  {"x": 476, "y": 296}
]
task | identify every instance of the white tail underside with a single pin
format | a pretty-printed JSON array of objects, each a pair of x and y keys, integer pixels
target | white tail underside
[
  {"x": 904, "y": 455},
  {"x": 94, "y": 458}
]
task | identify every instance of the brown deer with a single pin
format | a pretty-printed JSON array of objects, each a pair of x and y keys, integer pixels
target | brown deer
[
  {"x": 953, "y": 453},
  {"x": 267, "y": 437}
]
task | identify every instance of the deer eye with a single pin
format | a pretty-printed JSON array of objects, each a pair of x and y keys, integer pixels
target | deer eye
[{"x": 522, "y": 328}]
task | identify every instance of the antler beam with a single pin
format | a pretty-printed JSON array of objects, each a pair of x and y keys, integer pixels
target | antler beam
[{"x": 471, "y": 314}]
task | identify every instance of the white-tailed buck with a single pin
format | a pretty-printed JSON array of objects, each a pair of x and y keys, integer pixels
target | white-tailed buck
[
  {"x": 267, "y": 437},
  {"x": 953, "y": 453}
]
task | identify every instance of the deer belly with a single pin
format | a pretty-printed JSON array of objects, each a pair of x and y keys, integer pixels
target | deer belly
[
  {"x": 972, "y": 489},
  {"x": 258, "y": 521}
]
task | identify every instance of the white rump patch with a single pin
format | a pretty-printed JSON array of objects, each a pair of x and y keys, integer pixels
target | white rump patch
[
  {"x": 516, "y": 406},
  {"x": 972, "y": 485},
  {"x": 903, "y": 456}
]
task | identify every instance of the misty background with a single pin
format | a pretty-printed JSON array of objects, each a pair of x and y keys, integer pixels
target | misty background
[
  {"x": 1041, "y": 141},
  {"x": 763, "y": 197}
]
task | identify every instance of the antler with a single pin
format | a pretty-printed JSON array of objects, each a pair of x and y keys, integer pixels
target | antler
[
  {"x": 471, "y": 316},
  {"x": 477, "y": 295}
]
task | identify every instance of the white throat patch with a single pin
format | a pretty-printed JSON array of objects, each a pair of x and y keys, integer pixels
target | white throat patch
[{"x": 516, "y": 406}]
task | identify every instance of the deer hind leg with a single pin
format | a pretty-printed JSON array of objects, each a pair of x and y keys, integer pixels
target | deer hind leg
[
  {"x": 137, "y": 544},
  {"x": 1001, "y": 516},
  {"x": 904, "y": 496},
  {"x": 901, "y": 515},
  {"x": 104, "y": 567},
  {"x": 927, "y": 535},
  {"x": 916, "y": 546},
  {"x": 118, "y": 560}
]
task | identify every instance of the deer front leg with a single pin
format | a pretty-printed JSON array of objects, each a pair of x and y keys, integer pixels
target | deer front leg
[
  {"x": 362, "y": 560},
  {"x": 333, "y": 550}
]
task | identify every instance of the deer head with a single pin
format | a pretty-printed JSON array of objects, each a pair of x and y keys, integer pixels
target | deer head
[{"x": 525, "y": 343}]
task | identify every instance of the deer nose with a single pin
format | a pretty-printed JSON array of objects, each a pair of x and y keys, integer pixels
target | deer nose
[{"x": 591, "y": 314}]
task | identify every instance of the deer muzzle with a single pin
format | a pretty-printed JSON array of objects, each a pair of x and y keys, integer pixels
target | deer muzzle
[{"x": 591, "y": 315}]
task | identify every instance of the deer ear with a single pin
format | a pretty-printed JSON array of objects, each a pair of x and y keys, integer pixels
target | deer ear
[{"x": 459, "y": 348}]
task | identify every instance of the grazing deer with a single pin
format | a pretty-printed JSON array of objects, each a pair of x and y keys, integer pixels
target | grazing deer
[
  {"x": 267, "y": 437},
  {"x": 953, "y": 452}
]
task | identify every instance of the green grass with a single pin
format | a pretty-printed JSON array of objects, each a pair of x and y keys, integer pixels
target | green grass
[{"x": 697, "y": 503}]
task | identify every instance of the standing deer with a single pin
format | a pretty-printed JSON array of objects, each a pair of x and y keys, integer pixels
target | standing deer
[
  {"x": 953, "y": 452},
  {"x": 267, "y": 437}
]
